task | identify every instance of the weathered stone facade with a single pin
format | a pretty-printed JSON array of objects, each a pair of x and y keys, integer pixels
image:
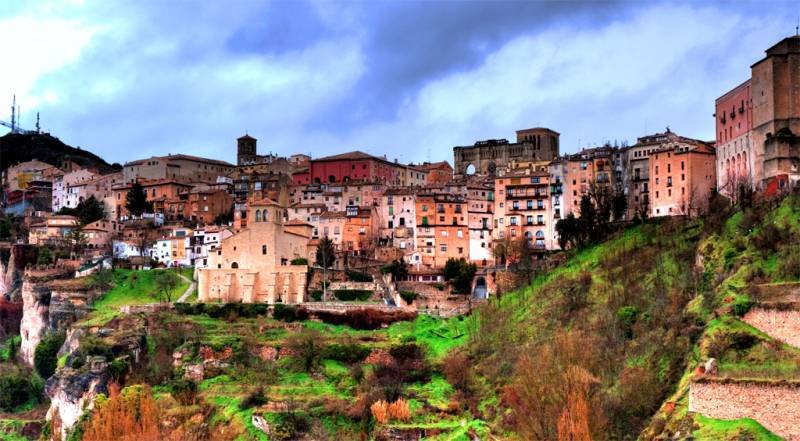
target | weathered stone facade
[
  {"x": 254, "y": 266},
  {"x": 537, "y": 144}
]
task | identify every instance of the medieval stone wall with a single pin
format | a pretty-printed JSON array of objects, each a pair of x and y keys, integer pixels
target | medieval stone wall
[
  {"x": 781, "y": 325},
  {"x": 774, "y": 406}
]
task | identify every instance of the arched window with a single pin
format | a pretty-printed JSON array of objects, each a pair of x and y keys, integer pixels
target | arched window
[
  {"x": 744, "y": 162},
  {"x": 264, "y": 215},
  {"x": 263, "y": 249},
  {"x": 234, "y": 265},
  {"x": 258, "y": 215},
  {"x": 540, "y": 234}
]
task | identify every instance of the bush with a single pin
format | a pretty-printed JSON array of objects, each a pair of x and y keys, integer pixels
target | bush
[
  {"x": 380, "y": 411},
  {"x": 741, "y": 306},
  {"x": 184, "y": 391},
  {"x": 118, "y": 368},
  {"x": 289, "y": 313},
  {"x": 366, "y": 318},
  {"x": 346, "y": 353},
  {"x": 357, "y": 276},
  {"x": 627, "y": 316},
  {"x": 15, "y": 388},
  {"x": 789, "y": 263},
  {"x": 45, "y": 256},
  {"x": 299, "y": 261},
  {"x": 316, "y": 295},
  {"x": 348, "y": 295},
  {"x": 223, "y": 310},
  {"x": 438, "y": 285},
  {"x": 460, "y": 273},
  {"x": 408, "y": 296},
  {"x": 45, "y": 358},
  {"x": 254, "y": 399}
]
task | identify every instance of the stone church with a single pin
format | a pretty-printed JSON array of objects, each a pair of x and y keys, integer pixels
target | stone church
[{"x": 487, "y": 157}]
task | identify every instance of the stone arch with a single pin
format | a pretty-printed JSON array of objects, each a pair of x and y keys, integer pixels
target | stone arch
[
  {"x": 258, "y": 215},
  {"x": 479, "y": 291}
]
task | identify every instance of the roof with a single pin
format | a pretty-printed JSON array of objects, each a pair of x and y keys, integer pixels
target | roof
[
  {"x": 353, "y": 156},
  {"x": 306, "y": 205},
  {"x": 332, "y": 215},
  {"x": 538, "y": 129},
  {"x": 245, "y": 136},
  {"x": 435, "y": 165},
  {"x": 263, "y": 202},
  {"x": 297, "y": 222},
  {"x": 181, "y": 156}
]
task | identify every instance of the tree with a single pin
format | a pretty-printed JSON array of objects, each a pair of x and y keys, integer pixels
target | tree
[
  {"x": 166, "y": 281},
  {"x": 45, "y": 357},
  {"x": 45, "y": 256},
  {"x": 398, "y": 268},
  {"x": 326, "y": 257},
  {"x": 133, "y": 415},
  {"x": 5, "y": 227},
  {"x": 460, "y": 273},
  {"x": 137, "y": 202},
  {"x": 569, "y": 232},
  {"x": 90, "y": 210},
  {"x": 76, "y": 240},
  {"x": 619, "y": 205}
]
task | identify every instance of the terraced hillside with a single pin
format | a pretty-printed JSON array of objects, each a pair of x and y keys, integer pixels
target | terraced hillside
[{"x": 616, "y": 343}]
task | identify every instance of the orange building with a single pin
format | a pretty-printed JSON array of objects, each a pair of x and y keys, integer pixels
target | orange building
[
  {"x": 157, "y": 191},
  {"x": 442, "y": 229},
  {"x": 360, "y": 233},
  {"x": 437, "y": 172},
  {"x": 204, "y": 205},
  {"x": 523, "y": 207},
  {"x": 588, "y": 170},
  {"x": 681, "y": 179}
]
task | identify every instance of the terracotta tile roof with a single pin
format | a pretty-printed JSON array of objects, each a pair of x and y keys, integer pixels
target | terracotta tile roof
[
  {"x": 332, "y": 215},
  {"x": 298, "y": 222}
]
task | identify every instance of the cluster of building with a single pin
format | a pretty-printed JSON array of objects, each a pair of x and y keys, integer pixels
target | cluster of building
[{"x": 252, "y": 228}]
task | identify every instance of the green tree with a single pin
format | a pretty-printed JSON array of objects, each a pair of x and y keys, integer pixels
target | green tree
[
  {"x": 45, "y": 357},
  {"x": 45, "y": 256},
  {"x": 166, "y": 281},
  {"x": 76, "y": 240},
  {"x": 325, "y": 257},
  {"x": 5, "y": 227},
  {"x": 460, "y": 273},
  {"x": 90, "y": 210},
  {"x": 137, "y": 202},
  {"x": 398, "y": 268}
]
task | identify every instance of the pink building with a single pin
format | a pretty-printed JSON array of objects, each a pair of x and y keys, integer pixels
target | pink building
[{"x": 352, "y": 166}]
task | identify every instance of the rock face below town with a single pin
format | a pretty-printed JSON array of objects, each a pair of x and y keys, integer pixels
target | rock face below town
[
  {"x": 35, "y": 314},
  {"x": 72, "y": 391}
]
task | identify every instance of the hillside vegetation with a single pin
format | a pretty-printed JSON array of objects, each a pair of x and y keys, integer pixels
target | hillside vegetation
[{"x": 603, "y": 347}]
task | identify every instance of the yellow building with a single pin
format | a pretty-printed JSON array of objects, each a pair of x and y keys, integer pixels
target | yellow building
[{"x": 254, "y": 265}]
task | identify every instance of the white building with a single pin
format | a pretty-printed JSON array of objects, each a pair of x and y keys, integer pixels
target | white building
[{"x": 206, "y": 241}]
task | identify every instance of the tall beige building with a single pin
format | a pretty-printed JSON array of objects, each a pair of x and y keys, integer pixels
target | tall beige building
[{"x": 255, "y": 265}]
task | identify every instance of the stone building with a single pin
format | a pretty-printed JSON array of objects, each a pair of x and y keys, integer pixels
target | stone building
[
  {"x": 487, "y": 157},
  {"x": 180, "y": 167},
  {"x": 681, "y": 179},
  {"x": 247, "y": 154},
  {"x": 764, "y": 107},
  {"x": 254, "y": 265},
  {"x": 442, "y": 229}
]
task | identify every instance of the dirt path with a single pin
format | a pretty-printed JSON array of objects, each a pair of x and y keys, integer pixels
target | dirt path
[{"x": 188, "y": 291}]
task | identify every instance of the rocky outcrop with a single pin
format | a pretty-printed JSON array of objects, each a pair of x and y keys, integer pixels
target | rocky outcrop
[
  {"x": 73, "y": 391},
  {"x": 35, "y": 316},
  {"x": 13, "y": 261}
]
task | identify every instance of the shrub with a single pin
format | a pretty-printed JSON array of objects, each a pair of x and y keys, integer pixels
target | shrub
[
  {"x": 45, "y": 256},
  {"x": 306, "y": 348},
  {"x": 15, "y": 388},
  {"x": 399, "y": 410},
  {"x": 289, "y": 425},
  {"x": 118, "y": 368},
  {"x": 741, "y": 306},
  {"x": 255, "y": 398},
  {"x": 45, "y": 358},
  {"x": 357, "y": 276},
  {"x": 789, "y": 263},
  {"x": 460, "y": 273},
  {"x": 316, "y": 295},
  {"x": 438, "y": 285},
  {"x": 348, "y": 295},
  {"x": 128, "y": 416},
  {"x": 299, "y": 261},
  {"x": 380, "y": 411},
  {"x": 365, "y": 318},
  {"x": 184, "y": 391},
  {"x": 627, "y": 316},
  {"x": 346, "y": 353},
  {"x": 408, "y": 296},
  {"x": 289, "y": 313},
  {"x": 456, "y": 370},
  {"x": 398, "y": 268}
]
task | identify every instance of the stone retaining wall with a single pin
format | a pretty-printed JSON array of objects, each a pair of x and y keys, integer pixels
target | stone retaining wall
[
  {"x": 776, "y": 407},
  {"x": 782, "y": 325}
]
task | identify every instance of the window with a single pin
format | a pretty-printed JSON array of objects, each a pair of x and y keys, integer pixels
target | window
[
  {"x": 336, "y": 230},
  {"x": 540, "y": 204},
  {"x": 512, "y": 220},
  {"x": 515, "y": 205},
  {"x": 530, "y": 205},
  {"x": 263, "y": 249},
  {"x": 444, "y": 248},
  {"x": 459, "y": 234},
  {"x": 540, "y": 219},
  {"x": 529, "y": 220}
]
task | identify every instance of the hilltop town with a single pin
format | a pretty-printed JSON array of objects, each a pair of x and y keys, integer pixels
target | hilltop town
[{"x": 365, "y": 241}]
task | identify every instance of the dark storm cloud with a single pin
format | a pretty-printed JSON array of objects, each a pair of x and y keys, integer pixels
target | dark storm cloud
[{"x": 133, "y": 79}]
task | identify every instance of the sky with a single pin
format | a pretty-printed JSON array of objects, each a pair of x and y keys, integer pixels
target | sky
[{"x": 407, "y": 79}]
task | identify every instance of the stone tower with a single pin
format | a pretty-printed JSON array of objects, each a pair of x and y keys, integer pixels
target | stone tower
[{"x": 246, "y": 150}]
